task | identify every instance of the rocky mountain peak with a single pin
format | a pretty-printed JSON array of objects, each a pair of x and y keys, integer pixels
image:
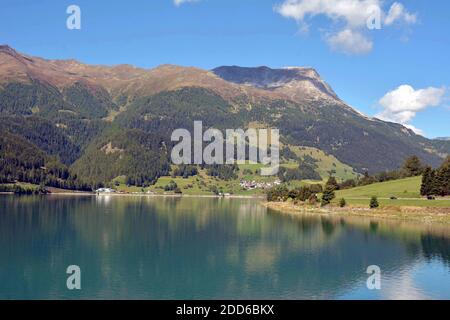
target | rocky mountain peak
[
  {"x": 7, "y": 50},
  {"x": 293, "y": 81}
]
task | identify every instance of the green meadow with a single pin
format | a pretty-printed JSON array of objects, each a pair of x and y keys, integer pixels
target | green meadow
[{"x": 406, "y": 191}]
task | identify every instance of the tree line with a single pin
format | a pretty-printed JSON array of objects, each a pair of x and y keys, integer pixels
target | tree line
[{"x": 436, "y": 182}]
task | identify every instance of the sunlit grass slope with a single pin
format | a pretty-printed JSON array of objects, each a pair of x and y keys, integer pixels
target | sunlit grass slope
[{"x": 403, "y": 188}]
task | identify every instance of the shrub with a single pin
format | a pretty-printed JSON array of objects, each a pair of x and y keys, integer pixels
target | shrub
[
  {"x": 279, "y": 193},
  {"x": 316, "y": 188},
  {"x": 347, "y": 184},
  {"x": 313, "y": 199},
  {"x": 342, "y": 203},
  {"x": 171, "y": 186},
  {"x": 214, "y": 189},
  {"x": 177, "y": 190}
]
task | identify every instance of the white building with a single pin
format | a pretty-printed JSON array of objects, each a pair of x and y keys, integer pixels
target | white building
[{"x": 105, "y": 190}]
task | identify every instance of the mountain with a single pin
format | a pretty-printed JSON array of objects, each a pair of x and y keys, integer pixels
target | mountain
[
  {"x": 443, "y": 139},
  {"x": 74, "y": 112},
  {"x": 363, "y": 142},
  {"x": 294, "y": 83}
]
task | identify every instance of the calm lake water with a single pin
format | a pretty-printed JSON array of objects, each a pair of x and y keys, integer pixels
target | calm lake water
[{"x": 203, "y": 248}]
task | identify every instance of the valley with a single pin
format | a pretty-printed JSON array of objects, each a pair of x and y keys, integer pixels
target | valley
[{"x": 111, "y": 126}]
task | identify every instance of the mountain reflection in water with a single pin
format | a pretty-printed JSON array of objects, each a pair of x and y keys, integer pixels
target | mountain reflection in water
[{"x": 207, "y": 248}]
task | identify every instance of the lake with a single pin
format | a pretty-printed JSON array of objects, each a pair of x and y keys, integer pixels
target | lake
[{"x": 207, "y": 248}]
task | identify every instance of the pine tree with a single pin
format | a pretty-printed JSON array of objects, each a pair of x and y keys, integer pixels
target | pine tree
[
  {"x": 342, "y": 203},
  {"x": 442, "y": 180},
  {"x": 332, "y": 183},
  {"x": 366, "y": 179},
  {"x": 412, "y": 167},
  {"x": 428, "y": 180},
  {"x": 327, "y": 195},
  {"x": 374, "y": 203}
]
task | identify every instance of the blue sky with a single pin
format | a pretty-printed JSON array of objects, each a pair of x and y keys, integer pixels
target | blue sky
[{"x": 406, "y": 61}]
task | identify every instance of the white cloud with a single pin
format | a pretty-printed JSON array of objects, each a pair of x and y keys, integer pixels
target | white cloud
[
  {"x": 350, "y": 19},
  {"x": 180, "y": 2},
  {"x": 354, "y": 12},
  {"x": 350, "y": 42},
  {"x": 402, "y": 104},
  {"x": 399, "y": 13}
]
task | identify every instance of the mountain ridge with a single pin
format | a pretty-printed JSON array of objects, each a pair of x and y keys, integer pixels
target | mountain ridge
[
  {"x": 62, "y": 73},
  {"x": 83, "y": 101}
]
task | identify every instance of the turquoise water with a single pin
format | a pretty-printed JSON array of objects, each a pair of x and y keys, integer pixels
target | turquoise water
[{"x": 203, "y": 248}]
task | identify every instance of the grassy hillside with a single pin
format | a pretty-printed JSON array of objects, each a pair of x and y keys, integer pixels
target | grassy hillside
[
  {"x": 403, "y": 188},
  {"x": 201, "y": 184},
  {"x": 407, "y": 192},
  {"x": 326, "y": 164}
]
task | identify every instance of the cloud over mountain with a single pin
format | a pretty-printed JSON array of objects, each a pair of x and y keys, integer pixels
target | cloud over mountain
[{"x": 402, "y": 104}]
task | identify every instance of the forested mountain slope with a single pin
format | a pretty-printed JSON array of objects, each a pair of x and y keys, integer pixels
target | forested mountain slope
[{"x": 72, "y": 110}]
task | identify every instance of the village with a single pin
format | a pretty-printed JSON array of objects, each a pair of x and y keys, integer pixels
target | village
[
  {"x": 251, "y": 185},
  {"x": 244, "y": 184}
]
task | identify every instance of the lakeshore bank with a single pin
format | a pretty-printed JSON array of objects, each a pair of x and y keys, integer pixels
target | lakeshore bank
[
  {"x": 406, "y": 213},
  {"x": 156, "y": 195}
]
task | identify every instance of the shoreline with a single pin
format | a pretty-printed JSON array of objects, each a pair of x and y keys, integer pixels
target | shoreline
[
  {"x": 159, "y": 195},
  {"x": 401, "y": 213},
  {"x": 93, "y": 194}
]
